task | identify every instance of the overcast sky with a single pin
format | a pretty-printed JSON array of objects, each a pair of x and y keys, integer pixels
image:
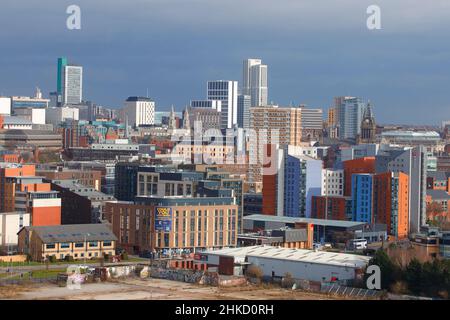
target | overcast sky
[{"x": 315, "y": 50}]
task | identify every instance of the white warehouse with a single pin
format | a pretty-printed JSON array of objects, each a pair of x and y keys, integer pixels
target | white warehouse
[{"x": 309, "y": 265}]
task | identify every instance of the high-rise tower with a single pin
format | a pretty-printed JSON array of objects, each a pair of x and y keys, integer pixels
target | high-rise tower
[
  {"x": 69, "y": 86},
  {"x": 254, "y": 82}
]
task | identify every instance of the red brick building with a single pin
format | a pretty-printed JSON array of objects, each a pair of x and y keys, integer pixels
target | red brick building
[
  {"x": 361, "y": 165},
  {"x": 336, "y": 208}
]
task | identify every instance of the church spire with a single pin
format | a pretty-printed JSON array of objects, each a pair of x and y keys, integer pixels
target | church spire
[
  {"x": 186, "y": 120},
  {"x": 172, "y": 120},
  {"x": 368, "y": 113},
  {"x": 368, "y": 126}
]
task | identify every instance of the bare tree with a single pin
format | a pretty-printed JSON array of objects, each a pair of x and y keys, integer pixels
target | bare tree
[{"x": 436, "y": 213}]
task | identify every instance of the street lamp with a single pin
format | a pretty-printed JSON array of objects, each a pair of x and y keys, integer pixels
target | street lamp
[{"x": 86, "y": 246}]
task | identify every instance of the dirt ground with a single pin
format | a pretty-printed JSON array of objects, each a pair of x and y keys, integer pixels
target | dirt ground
[{"x": 151, "y": 289}]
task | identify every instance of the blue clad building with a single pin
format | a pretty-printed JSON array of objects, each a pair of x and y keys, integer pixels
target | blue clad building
[
  {"x": 302, "y": 181},
  {"x": 362, "y": 201}
]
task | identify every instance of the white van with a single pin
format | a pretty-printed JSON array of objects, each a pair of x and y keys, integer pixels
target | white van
[{"x": 358, "y": 244}]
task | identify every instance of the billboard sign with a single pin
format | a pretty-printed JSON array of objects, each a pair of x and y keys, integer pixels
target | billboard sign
[{"x": 163, "y": 219}]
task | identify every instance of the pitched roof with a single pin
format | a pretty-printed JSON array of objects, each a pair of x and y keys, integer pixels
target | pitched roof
[
  {"x": 438, "y": 175},
  {"x": 438, "y": 194},
  {"x": 74, "y": 233}
]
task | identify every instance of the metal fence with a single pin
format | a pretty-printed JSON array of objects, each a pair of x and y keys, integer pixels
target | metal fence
[
  {"x": 348, "y": 291},
  {"x": 17, "y": 281}
]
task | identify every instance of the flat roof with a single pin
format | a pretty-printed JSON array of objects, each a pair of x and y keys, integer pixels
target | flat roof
[
  {"x": 298, "y": 255},
  {"x": 179, "y": 201},
  {"x": 320, "y": 222},
  {"x": 85, "y": 191},
  {"x": 412, "y": 134}
]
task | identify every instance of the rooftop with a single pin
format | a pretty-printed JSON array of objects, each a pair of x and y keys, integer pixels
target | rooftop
[
  {"x": 185, "y": 201},
  {"x": 14, "y": 120},
  {"x": 81, "y": 189},
  {"x": 412, "y": 134},
  {"x": 298, "y": 255},
  {"x": 139, "y": 99},
  {"x": 438, "y": 175},
  {"x": 73, "y": 233},
  {"x": 438, "y": 194},
  {"x": 320, "y": 222}
]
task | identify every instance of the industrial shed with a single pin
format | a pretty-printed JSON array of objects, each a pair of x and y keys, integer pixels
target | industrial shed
[{"x": 309, "y": 265}]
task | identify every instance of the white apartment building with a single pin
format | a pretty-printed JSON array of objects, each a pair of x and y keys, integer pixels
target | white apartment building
[
  {"x": 139, "y": 111},
  {"x": 332, "y": 182},
  {"x": 10, "y": 224},
  {"x": 5, "y": 106}
]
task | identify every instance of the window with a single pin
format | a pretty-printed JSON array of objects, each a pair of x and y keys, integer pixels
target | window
[
  {"x": 50, "y": 246},
  {"x": 79, "y": 245},
  {"x": 93, "y": 244},
  {"x": 65, "y": 245},
  {"x": 180, "y": 189},
  {"x": 107, "y": 243},
  {"x": 166, "y": 240},
  {"x": 167, "y": 190}
]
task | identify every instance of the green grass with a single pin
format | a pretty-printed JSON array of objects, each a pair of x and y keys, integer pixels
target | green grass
[
  {"x": 19, "y": 264},
  {"x": 47, "y": 273},
  {"x": 136, "y": 259},
  {"x": 79, "y": 261},
  {"x": 37, "y": 274}
]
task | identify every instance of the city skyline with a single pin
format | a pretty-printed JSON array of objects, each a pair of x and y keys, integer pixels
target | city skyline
[{"x": 310, "y": 61}]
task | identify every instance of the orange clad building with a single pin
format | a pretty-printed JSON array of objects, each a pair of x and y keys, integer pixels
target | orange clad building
[
  {"x": 10, "y": 157},
  {"x": 7, "y": 191},
  {"x": 361, "y": 165},
  {"x": 391, "y": 202},
  {"x": 21, "y": 190}
]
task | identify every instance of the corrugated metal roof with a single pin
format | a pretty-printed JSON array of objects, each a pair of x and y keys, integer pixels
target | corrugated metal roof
[{"x": 299, "y": 255}]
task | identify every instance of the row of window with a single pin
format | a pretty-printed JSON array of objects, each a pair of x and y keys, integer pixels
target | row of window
[{"x": 66, "y": 245}]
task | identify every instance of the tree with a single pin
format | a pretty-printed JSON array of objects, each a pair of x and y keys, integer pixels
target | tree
[
  {"x": 390, "y": 272},
  {"x": 124, "y": 255},
  {"x": 288, "y": 280},
  {"x": 414, "y": 277},
  {"x": 436, "y": 214},
  {"x": 253, "y": 271},
  {"x": 399, "y": 287}
]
